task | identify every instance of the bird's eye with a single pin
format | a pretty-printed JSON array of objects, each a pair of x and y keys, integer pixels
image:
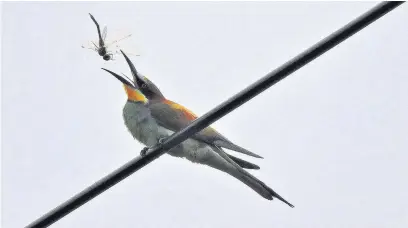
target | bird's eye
[{"x": 144, "y": 86}]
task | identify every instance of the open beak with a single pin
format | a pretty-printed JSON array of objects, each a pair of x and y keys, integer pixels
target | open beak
[
  {"x": 120, "y": 78},
  {"x": 137, "y": 80}
]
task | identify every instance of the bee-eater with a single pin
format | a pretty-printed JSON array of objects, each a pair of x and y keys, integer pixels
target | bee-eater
[
  {"x": 176, "y": 117},
  {"x": 146, "y": 129}
]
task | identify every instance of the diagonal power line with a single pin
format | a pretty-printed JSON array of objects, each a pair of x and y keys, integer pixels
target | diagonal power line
[{"x": 221, "y": 110}]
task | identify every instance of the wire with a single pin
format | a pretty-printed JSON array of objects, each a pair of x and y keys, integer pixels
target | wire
[{"x": 221, "y": 110}]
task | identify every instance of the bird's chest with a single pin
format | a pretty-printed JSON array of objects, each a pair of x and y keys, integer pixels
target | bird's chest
[{"x": 141, "y": 127}]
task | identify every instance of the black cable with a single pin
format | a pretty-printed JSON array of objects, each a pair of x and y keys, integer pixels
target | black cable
[{"x": 216, "y": 113}]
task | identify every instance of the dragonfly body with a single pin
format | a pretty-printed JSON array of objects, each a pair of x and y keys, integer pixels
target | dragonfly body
[{"x": 102, "y": 48}]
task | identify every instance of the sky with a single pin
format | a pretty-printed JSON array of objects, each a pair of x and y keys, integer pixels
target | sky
[{"x": 333, "y": 134}]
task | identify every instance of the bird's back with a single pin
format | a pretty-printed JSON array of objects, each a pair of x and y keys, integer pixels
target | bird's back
[{"x": 176, "y": 117}]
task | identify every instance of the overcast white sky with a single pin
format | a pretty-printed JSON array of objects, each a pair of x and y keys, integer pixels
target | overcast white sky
[{"x": 334, "y": 134}]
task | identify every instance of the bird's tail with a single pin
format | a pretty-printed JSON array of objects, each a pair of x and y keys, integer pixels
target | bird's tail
[{"x": 258, "y": 186}]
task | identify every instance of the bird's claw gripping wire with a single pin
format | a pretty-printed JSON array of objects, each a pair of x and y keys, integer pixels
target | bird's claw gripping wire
[
  {"x": 159, "y": 142},
  {"x": 143, "y": 151}
]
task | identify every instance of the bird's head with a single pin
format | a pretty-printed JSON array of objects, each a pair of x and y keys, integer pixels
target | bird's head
[
  {"x": 148, "y": 88},
  {"x": 131, "y": 88}
]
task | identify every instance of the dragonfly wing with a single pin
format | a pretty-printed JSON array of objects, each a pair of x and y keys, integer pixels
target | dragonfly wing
[
  {"x": 104, "y": 33},
  {"x": 90, "y": 45},
  {"x": 115, "y": 41}
]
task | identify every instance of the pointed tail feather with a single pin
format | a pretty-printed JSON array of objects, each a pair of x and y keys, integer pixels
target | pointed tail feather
[
  {"x": 244, "y": 164},
  {"x": 264, "y": 186},
  {"x": 260, "y": 187},
  {"x": 218, "y": 162},
  {"x": 223, "y": 162},
  {"x": 248, "y": 179},
  {"x": 276, "y": 195},
  {"x": 231, "y": 146}
]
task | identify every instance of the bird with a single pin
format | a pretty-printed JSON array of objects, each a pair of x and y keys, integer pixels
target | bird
[
  {"x": 176, "y": 117},
  {"x": 145, "y": 128}
]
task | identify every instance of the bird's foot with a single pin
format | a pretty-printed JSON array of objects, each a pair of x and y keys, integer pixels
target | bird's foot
[
  {"x": 144, "y": 151},
  {"x": 161, "y": 140}
]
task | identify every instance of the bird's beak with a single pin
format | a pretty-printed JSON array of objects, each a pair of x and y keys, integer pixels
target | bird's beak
[
  {"x": 136, "y": 79},
  {"x": 132, "y": 91},
  {"x": 120, "y": 78}
]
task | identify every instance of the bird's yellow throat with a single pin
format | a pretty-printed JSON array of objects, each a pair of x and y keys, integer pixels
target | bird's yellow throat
[{"x": 134, "y": 94}]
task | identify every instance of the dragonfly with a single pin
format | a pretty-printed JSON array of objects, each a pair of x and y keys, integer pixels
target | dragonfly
[{"x": 101, "y": 48}]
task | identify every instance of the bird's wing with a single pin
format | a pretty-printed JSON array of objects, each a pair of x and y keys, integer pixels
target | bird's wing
[
  {"x": 176, "y": 117},
  {"x": 244, "y": 164}
]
